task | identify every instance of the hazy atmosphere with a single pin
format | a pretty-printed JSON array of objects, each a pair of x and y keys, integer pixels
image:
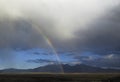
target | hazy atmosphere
[{"x": 36, "y": 33}]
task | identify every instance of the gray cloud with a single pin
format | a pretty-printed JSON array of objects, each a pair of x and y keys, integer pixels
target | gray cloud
[
  {"x": 72, "y": 26},
  {"x": 42, "y": 61},
  {"x": 102, "y": 40},
  {"x": 20, "y": 27},
  {"x": 19, "y": 34},
  {"x": 103, "y": 35},
  {"x": 108, "y": 61}
]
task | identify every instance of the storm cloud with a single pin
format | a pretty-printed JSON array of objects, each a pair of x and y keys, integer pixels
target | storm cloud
[
  {"x": 103, "y": 35},
  {"x": 23, "y": 26},
  {"x": 68, "y": 26}
]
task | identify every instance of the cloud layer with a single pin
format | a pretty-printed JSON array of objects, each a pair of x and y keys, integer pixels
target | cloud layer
[{"x": 71, "y": 26}]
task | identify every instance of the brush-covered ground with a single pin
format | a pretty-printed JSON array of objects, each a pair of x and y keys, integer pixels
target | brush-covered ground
[{"x": 47, "y": 77}]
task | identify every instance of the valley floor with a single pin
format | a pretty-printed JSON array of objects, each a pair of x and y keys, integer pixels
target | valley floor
[{"x": 47, "y": 77}]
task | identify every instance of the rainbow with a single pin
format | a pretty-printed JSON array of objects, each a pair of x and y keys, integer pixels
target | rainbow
[{"x": 49, "y": 42}]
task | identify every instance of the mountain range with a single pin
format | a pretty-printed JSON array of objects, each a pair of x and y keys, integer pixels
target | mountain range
[{"x": 66, "y": 68}]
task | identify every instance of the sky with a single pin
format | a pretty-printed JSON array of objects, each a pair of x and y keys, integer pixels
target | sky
[{"x": 36, "y": 33}]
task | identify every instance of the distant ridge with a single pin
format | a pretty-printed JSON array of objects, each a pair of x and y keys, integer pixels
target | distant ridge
[{"x": 79, "y": 68}]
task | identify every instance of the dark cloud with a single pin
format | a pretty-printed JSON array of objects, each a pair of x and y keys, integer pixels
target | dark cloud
[
  {"x": 42, "y": 61},
  {"x": 101, "y": 39},
  {"x": 43, "y": 53},
  {"x": 19, "y": 33},
  {"x": 61, "y": 29},
  {"x": 103, "y": 34},
  {"x": 108, "y": 61}
]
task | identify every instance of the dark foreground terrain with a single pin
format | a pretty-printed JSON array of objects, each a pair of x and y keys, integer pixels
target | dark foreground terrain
[{"x": 37, "y": 77}]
